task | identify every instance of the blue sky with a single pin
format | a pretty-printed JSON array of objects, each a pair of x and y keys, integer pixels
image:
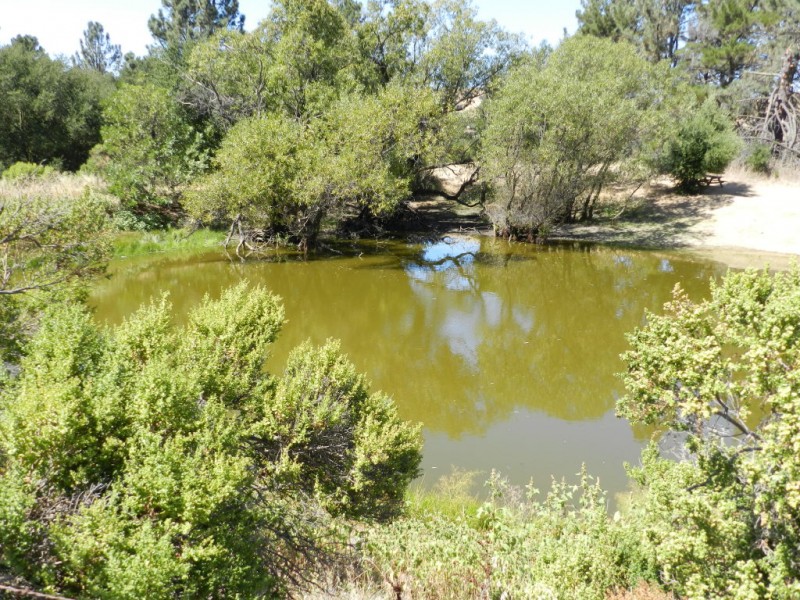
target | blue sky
[{"x": 59, "y": 24}]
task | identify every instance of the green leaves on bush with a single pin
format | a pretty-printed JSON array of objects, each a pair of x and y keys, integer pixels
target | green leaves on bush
[
  {"x": 25, "y": 170},
  {"x": 704, "y": 143},
  {"x": 153, "y": 149},
  {"x": 150, "y": 460},
  {"x": 725, "y": 373},
  {"x": 565, "y": 125}
]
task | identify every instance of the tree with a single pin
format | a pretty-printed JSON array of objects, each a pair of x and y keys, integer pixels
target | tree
[
  {"x": 723, "y": 373},
  {"x": 48, "y": 113},
  {"x": 278, "y": 176},
  {"x": 181, "y": 22},
  {"x": 258, "y": 179},
  {"x": 155, "y": 461},
  {"x": 152, "y": 148},
  {"x": 391, "y": 37},
  {"x": 560, "y": 123},
  {"x": 727, "y": 37},
  {"x": 311, "y": 46},
  {"x": 97, "y": 51},
  {"x": 463, "y": 57},
  {"x": 607, "y": 19},
  {"x": 656, "y": 26},
  {"x": 231, "y": 73}
]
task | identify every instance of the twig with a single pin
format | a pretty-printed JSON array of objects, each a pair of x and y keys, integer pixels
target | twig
[{"x": 26, "y": 593}]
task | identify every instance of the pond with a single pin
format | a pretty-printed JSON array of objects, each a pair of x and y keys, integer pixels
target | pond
[{"x": 507, "y": 353}]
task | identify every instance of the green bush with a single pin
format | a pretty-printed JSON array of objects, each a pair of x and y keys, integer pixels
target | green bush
[
  {"x": 725, "y": 373},
  {"x": 759, "y": 158},
  {"x": 516, "y": 546},
  {"x": 704, "y": 143},
  {"x": 149, "y": 461},
  {"x": 25, "y": 170}
]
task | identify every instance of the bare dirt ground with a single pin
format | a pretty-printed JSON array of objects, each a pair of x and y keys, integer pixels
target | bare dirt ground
[{"x": 748, "y": 221}]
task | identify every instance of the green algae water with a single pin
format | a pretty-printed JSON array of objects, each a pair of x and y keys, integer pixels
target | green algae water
[{"x": 507, "y": 353}]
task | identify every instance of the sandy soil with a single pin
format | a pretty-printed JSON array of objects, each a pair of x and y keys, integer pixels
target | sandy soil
[{"x": 745, "y": 222}]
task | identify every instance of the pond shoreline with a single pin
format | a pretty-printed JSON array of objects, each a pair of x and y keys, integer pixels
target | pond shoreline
[{"x": 747, "y": 221}]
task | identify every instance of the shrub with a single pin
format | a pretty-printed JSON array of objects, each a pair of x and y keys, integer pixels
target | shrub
[
  {"x": 25, "y": 170},
  {"x": 759, "y": 159},
  {"x": 725, "y": 374},
  {"x": 149, "y": 461},
  {"x": 564, "y": 546},
  {"x": 705, "y": 142}
]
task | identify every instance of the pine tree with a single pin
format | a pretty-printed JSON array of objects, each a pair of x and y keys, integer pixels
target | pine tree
[
  {"x": 182, "y": 21},
  {"x": 97, "y": 51}
]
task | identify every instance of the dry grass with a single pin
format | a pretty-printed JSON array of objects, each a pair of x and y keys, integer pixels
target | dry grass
[
  {"x": 786, "y": 173},
  {"x": 64, "y": 186}
]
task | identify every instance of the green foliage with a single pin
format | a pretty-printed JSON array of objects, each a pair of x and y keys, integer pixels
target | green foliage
[
  {"x": 374, "y": 147},
  {"x": 732, "y": 32},
  {"x": 152, "y": 461},
  {"x": 181, "y": 22},
  {"x": 151, "y": 147},
  {"x": 759, "y": 158},
  {"x": 559, "y": 124},
  {"x": 278, "y": 174},
  {"x": 724, "y": 372},
  {"x": 260, "y": 169},
  {"x": 48, "y": 247},
  {"x": 97, "y": 51},
  {"x": 231, "y": 71},
  {"x": 563, "y": 546},
  {"x": 705, "y": 142},
  {"x": 655, "y": 26},
  {"x": 25, "y": 170},
  {"x": 48, "y": 113},
  {"x": 464, "y": 56}
]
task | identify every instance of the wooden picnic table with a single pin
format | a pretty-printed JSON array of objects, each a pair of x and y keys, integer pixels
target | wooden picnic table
[{"x": 711, "y": 178}]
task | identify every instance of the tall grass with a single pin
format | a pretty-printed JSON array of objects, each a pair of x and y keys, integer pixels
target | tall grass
[{"x": 140, "y": 243}]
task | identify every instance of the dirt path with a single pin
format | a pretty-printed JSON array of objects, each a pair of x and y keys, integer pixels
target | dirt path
[{"x": 745, "y": 222}]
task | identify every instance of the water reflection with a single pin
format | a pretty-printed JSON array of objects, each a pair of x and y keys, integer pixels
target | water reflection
[{"x": 506, "y": 353}]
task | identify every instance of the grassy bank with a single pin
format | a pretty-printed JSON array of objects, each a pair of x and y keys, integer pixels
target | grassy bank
[{"x": 141, "y": 243}]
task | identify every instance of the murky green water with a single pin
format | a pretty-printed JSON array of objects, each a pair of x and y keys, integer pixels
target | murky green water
[{"x": 506, "y": 353}]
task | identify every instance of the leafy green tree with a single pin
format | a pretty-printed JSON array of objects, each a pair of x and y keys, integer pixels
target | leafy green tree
[
  {"x": 729, "y": 35},
  {"x": 152, "y": 150},
  {"x": 279, "y": 176},
  {"x": 259, "y": 175},
  {"x": 607, "y": 19},
  {"x": 311, "y": 46},
  {"x": 181, "y": 22},
  {"x": 232, "y": 77},
  {"x": 374, "y": 147},
  {"x": 723, "y": 373},
  {"x": 48, "y": 113},
  {"x": 655, "y": 26},
  {"x": 390, "y": 37},
  {"x": 153, "y": 461},
  {"x": 97, "y": 51},
  {"x": 560, "y": 123},
  {"x": 463, "y": 57}
]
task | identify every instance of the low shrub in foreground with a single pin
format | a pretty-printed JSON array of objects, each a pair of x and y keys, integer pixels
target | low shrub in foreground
[
  {"x": 515, "y": 546},
  {"x": 150, "y": 461}
]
